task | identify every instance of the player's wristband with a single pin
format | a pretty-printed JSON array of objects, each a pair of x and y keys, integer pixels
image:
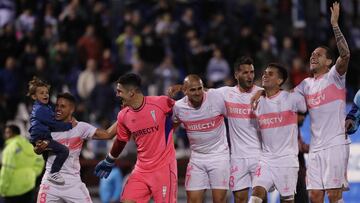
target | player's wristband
[{"x": 110, "y": 159}]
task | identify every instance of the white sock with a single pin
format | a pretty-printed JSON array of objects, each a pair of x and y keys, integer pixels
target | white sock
[
  {"x": 254, "y": 199},
  {"x": 340, "y": 201}
]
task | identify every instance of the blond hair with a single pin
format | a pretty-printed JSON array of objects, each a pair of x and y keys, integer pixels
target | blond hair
[{"x": 35, "y": 83}]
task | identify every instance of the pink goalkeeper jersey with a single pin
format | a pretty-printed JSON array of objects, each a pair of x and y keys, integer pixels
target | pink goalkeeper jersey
[
  {"x": 151, "y": 127},
  {"x": 325, "y": 98},
  {"x": 277, "y": 118},
  {"x": 243, "y": 128},
  {"x": 205, "y": 125}
]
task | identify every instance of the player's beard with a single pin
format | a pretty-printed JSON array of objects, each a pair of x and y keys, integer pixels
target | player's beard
[{"x": 246, "y": 85}]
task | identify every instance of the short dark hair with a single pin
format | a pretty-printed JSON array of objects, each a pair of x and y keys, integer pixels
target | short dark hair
[
  {"x": 281, "y": 70},
  {"x": 130, "y": 80},
  {"x": 329, "y": 54},
  {"x": 241, "y": 61},
  {"x": 68, "y": 96},
  {"x": 14, "y": 129}
]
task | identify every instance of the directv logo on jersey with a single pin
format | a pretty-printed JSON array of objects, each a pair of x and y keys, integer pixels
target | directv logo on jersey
[
  {"x": 316, "y": 100},
  {"x": 201, "y": 126},
  {"x": 269, "y": 121},
  {"x": 145, "y": 131},
  {"x": 235, "y": 110}
]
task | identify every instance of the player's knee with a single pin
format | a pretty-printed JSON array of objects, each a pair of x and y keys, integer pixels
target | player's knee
[
  {"x": 334, "y": 195},
  {"x": 241, "y": 196},
  {"x": 316, "y": 196},
  {"x": 287, "y": 199},
  {"x": 194, "y": 198},
  {"x": 259, "y": 191}
]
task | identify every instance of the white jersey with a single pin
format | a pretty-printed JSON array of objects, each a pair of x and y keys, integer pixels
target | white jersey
[
  {"x": 325, "y": 98},
  {"x": 243, "y": 128},
  {"x": 73, "y": 139},
  {"x": 277, "y": 118},
  {"x": 205, "y": 125}
]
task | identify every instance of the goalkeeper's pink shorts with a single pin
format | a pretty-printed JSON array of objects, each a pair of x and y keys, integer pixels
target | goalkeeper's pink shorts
[{"x": 161, "y": 185}]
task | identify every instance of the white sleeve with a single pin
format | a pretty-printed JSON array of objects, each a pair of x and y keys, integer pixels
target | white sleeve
[
  {"x": 338, "y": 79},
  {"x": 87, "y": 131},
  {"x": 217, "y": 95},
  {"x": 300, "y": 88},
  {"x": 299, "y": 103}
]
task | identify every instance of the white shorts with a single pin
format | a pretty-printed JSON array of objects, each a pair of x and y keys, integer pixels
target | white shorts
[
  {"x": 71, "y": 192},
  {"x": 207, "y": 174},
  {"x": 242, "y": 172},
  {"x": 283, "y": 178},
  {"x": 326, "y": 169}
]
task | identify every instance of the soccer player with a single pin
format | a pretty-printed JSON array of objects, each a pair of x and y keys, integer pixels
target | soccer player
[
  {"x": 201, "y": 114},
  {"x": 325, "y": 98},
  {"x": 148, "y": 120},
  {"x": 243, "y": 129},
  {"x": 277, "y": 118},
  {"x": 74, "y": 190}
]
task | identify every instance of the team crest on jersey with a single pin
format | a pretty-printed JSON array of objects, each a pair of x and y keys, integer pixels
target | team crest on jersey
[{"x": 152, "y": 112}]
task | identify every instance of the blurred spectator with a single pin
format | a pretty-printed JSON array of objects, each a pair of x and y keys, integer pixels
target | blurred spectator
[
  {"x": 198, "y": 56},
  {"x": 128, "y": 44},
  {"x": 152, "y": 48},
  {"x": 10, "y": 87},
  {"x": 217, "y": 70},
  {"x": 87, "y": 79},
  {"x": 245, "y": 44},
  {"x": 111, "y": 187},
  {"x": 27, "y": 60},
  {"x": 263, "y": 57},
  {"x": 166, "y": 75},
  {"x": 25, "y": 23},
  {"x": 145, "y": 72},
  {"x": 8, "y": 43},
  {"x": 50, "y": 20},
  {"x": 20, "y": 167},
  {"x": 89, "y": 46},
  {"x": 298, "y": 71},
  {"x": 269, "y": 35},
  {"x": 287, "y": 53},
  {"x": 7, "y": 12},
  {"x": 62, "y": 60},
  {"x": 102, "y": 100},
  {"x": 42, "y": 71},
  {"x": 71, "y": 23},
  {"x": 107, "y": 63}
]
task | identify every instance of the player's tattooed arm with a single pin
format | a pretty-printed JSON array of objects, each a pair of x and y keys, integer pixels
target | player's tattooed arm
[{"x": 343, "y": 48}]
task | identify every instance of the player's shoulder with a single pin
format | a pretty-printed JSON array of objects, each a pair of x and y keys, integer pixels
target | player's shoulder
[
  {"x": 157, "y": 99},
  {"x": 83, "y": 125},
  {"x": 181, "y": 102},
  {"x": 256, "y": 88},
  {"x": 123, "y": 112}
]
